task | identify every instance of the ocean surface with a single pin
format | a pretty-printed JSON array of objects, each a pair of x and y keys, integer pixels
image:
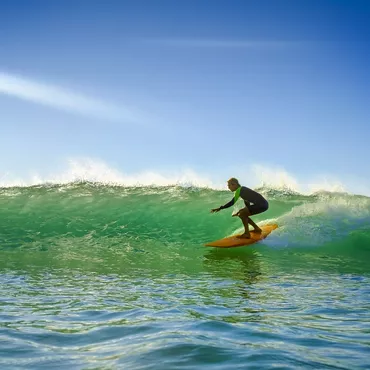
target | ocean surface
[{"x": 99, "y": 276}]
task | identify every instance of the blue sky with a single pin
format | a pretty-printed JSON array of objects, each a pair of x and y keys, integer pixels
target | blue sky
[{"x": 213, "y": 86}]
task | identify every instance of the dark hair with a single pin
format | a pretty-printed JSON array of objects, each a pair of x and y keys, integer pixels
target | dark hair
[{"x": 233, "y": 180}]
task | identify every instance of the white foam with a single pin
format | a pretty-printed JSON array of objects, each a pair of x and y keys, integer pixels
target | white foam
[
  {"x": 322, "y": 221},
  {"x": 96, "y": 170},
  {"x": 279, "y": 178}
]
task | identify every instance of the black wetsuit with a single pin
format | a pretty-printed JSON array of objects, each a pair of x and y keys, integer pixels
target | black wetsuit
[{"x": 255, "y": 202}]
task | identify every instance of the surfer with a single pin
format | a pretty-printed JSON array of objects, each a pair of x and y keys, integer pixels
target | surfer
[{"x": 254, "y": 203}]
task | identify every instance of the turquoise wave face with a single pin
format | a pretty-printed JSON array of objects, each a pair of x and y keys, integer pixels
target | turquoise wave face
[{"x": 106, "y": 216}]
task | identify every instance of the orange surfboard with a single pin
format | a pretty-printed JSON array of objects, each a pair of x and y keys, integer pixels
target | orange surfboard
[{"x": 234, "y": 241}]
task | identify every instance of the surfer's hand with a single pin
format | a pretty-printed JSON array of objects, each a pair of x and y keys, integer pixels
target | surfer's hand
[
  {"x": 236, "y": 214},
  {"x": 215, "y": 210}
]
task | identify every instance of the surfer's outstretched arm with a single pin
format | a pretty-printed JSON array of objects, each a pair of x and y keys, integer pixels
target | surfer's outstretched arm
[{"x": 227, "y": 205}]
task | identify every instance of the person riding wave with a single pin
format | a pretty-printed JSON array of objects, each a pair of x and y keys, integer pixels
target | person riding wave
[{"x": 255, "y": 203}]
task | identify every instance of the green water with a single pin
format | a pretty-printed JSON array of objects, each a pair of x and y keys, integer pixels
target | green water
[{"x": 104, "y": 277}]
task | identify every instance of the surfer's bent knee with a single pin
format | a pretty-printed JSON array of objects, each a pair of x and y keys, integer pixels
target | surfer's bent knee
[{"x": 243, "y": 213}]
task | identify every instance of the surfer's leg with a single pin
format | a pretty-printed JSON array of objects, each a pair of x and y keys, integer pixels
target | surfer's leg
[
  {"x": 256, "y": 228},
  {"x": 255, "y": 209},
  {"x": 243, "y": 215}
]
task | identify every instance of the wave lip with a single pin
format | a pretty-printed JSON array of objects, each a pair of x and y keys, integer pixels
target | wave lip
[{"x": 273, "y": 182}]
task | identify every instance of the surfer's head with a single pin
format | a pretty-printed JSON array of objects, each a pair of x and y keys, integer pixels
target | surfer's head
[{"x": 233, "y": 184}]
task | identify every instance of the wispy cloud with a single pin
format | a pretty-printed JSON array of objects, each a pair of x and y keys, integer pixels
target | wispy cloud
[
  {"x": 219, "y": 43},
  {"x": 64, "y": 99}
]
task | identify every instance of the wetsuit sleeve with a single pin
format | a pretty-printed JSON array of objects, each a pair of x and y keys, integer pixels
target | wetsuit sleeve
[{"x": 227, "y": 205}]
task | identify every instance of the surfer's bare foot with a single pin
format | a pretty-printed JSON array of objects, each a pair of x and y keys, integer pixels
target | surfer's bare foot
[
  {"x": 257, "y": 230},
  {"x": 245, "y": 236}
]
